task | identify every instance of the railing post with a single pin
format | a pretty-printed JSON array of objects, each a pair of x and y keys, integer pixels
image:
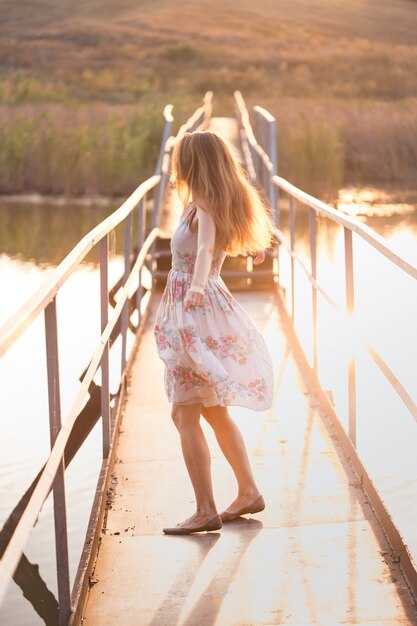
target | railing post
[
  {"x": 313, "y": 256},
  {"x": 208, "y": 107},
  {"x": 273, "y": 189},
  {"x": 159, "y": 194},
  {"x": 125, "y": 311},
  {"x": 292, "y": 240},
  {"x": 165, "y": 134},
  {"x": 264, "y": 143},
  {"x": 60, "y": 513},
  {"x": 141, "y": 239},
  {"x": 104, "y": 306},
  {"x": 350, "y": 308},
  {"x": 258, "y": 136}
]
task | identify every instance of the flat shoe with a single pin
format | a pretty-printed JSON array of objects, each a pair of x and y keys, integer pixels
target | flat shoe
[
  {"x": 214, "y": 524},
  {"x": 256, "y": 506}
]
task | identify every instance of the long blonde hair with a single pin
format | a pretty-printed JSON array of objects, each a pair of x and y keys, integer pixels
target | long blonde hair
[{"x": 205, "y": 167}]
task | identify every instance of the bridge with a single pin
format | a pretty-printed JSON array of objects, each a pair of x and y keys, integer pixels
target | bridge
[{"x": 326, "y": 550}]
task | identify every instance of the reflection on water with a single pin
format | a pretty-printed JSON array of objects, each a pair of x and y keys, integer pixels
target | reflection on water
[
  {"x": 385, "y": 314},
  {"x": 34, "y": 238},
  {"x": 372, "y": 202},
  {"x": 45, "y": 233}
]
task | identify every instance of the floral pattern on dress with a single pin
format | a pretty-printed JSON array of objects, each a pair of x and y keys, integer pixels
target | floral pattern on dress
[
  {"x": 175, "y": 339},
  {"x": 213, "y": 354},
  {"x": 188, "y": 337},
  {"x": 232, "y": 391},
  {"x": 185, "y": 376},
  {"x": 161, "y": 338},
  {"x": 229, "y": 346},
  {"x": 185, "y": 263}
]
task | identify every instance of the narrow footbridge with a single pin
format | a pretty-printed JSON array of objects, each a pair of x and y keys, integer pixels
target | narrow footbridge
[{"x": 325, "y": 551}]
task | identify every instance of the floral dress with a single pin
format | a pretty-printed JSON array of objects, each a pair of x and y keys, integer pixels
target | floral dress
[{"x": 213, "y": 353}]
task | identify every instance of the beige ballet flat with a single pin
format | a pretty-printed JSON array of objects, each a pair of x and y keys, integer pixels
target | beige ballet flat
[
  {"x": 256, "y": 507},
  {"x": 214, "y": 524}
]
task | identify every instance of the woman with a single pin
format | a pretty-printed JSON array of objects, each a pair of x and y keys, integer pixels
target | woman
[{"x": 214, "y": 356}]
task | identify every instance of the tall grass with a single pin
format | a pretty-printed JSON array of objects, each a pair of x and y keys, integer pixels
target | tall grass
[
  {"x": 87, "y": 151},
  {"x": 341, "y": 83},
  {"x": 107, "y": 150},
  {"x": 313, "y": 157},
  {"x": 325, "y": 145}
]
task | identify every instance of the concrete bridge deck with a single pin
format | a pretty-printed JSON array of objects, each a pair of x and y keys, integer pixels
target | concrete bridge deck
[{"x": 315, "y": 555}]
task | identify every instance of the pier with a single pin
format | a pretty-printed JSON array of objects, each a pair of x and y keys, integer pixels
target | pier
[{"x": 326, "y": 550}]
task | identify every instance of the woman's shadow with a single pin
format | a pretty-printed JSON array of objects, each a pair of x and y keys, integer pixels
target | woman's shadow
[{"x": 238, "y": 535}]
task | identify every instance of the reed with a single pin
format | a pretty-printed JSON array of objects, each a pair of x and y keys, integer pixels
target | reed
[
  {"x": 323, "y": 145},
  {"x": 81, "y": 103},
  {"x": 89, "y": 151},
  {"x": 313, "y": 157}
]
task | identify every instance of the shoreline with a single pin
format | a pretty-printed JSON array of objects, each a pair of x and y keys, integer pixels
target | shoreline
[
  {"x": 368, "y": 193},
  {"x": 37, "y": 199}
]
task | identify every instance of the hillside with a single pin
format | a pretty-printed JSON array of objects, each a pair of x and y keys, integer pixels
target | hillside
[{"x": 338, "y": 73}]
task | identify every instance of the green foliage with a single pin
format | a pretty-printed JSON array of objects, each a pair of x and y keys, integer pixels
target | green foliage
[
  {"x": 81, "y": 102},
  {"x": 313, "y": 157},
  {"x": 73, "y": 152},
  {"x": 182, "y": 52}
]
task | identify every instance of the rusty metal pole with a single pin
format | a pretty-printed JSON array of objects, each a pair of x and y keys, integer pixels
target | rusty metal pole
[
  {"x": 313, "y": 257},
  {"x": 60, "y": 509},
  {"x": 273, "y": 189},
  {"x": 141, "y": 238},
  {"x": 104, "y": 306},
  {"x": 292, "y": 240},
  {"x": 350, "y": 308},
  {"x": 125, "y": 311}
]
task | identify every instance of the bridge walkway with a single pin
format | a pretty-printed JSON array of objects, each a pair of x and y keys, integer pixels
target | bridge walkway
[{"x": 316, "y": 555}]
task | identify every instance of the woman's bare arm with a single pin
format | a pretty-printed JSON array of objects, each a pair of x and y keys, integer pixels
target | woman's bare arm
[{"x": 205, "y": 250}]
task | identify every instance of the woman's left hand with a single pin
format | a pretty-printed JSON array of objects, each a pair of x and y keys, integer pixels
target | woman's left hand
[
  {"x": 259, "y": 258},
  {"x": 193, "y": 299}
]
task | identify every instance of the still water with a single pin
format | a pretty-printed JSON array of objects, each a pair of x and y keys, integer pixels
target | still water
[{"x": 34, "y": 237}]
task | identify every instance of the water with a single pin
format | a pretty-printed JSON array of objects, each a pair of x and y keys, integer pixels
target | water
[
  {"x": 35, "y": 237},
  {"x": 386, "y": 314}
]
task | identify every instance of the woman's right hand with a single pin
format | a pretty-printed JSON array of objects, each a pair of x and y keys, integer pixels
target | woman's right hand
[
  {"x": 259, "y": 258},
  {"x": 193, "y": 299}
]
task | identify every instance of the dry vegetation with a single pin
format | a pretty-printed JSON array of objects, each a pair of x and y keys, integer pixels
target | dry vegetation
[{"x": 83, "y": 84}]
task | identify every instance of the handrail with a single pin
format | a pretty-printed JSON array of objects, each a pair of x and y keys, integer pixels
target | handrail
[
  {"x": 260, "y": 157},
  {"x": 376, "y": 357},
  {"x": 16, "y": 545},
  {"x": 14, "y": 327},
  {"x": 287, "y": 245},
  {"x": 44, "y": 299},
  {"x": 377, "y": 241},
  {"x": 200, "y": 118},
  {"x": 266, "y": 177},
  {"x": 350, "y": 225},
  {"x": 167, "y": 128}
]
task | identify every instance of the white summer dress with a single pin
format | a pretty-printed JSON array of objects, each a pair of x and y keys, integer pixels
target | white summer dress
[{"x": 213, "y": 353}]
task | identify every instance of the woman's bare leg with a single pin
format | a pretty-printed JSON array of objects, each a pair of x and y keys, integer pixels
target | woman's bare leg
[
  {"x": 197, "y": 460},
  {"x": 233, "y": 447}
]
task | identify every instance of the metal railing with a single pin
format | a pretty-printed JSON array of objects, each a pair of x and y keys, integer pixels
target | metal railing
[
  {"x": 260, "y": 162},
  {"x": 265, "y": 174},
  {"x": 259, "y": 150},
  {"x": 199, "y": 120},
  {"x": 132, "y": 298}
]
